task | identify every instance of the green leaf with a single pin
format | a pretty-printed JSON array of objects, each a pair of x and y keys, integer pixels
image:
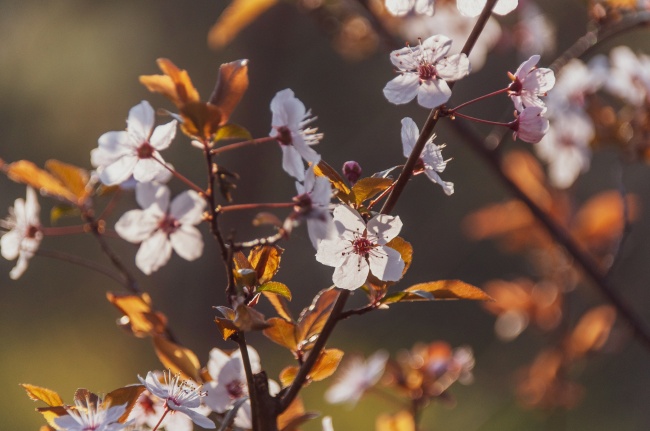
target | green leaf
[
  {"x": 232, "y": 131},
  {"x": 61, "y": 211},
  {"x": 277, "y": 288},
  {"x": 368, "y": 188}
]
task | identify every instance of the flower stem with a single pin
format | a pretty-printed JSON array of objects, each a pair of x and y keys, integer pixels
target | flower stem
[
  {"x": 89, "y": 264},
  {"x": 239, "y": 145},
  {"x": 381, "y": 196},
  {"x": 161, "y": 418},
  {"x": 452, "y": 111},
  {"x": 242, "y": 207},
  {"x": 480, "y": 120},
  {"x": 65, "y": 230},
  {"x": 181, "y": 177}
]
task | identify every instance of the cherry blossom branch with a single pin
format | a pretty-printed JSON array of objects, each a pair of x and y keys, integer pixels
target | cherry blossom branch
[
  {"x": 89, "y": 264},
  {"x": 252, "y": 392},
  {"x": 269, "y": 240},
  {"x": 237, "y": 145},
  {"x": 432, "y": 119},
  {"x": 181, "y": 177},
  {"x": 561, "y": 236},
  {"x": 479, "y": 120}
]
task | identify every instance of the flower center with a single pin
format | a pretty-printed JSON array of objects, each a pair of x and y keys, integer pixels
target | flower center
[
  {"x": 426, "y": 71},
  {"x": 169, "y": 225},
  {"x": 419, "y": 166},
  {"x": 145, "y": 151},
  {"x": 32, "y": 231},
  {"x": 303, "y": 203},
  {"x": 362, "y": 246},
  {"x": 284, "y": 136},
  {"x": 235, "y": 389},
  {"x": 514, "y": 89}
]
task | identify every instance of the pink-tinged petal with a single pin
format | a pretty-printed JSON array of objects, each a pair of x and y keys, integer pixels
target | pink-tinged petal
[
  {"x": 453, "y": 67},
  {"x": 163, "y": 135},
  {"x": 188, "y": 207},
  {"x": 472, "y": 8},
  {"x": 410, "y": 134},
  {"x": 305, "y": 151},
  {"x": 140, "y": 122},
  {"x": 425, "y": 7},
  {"x": 254, "y": 358},
  {"x": 197, "y": 417},
  {"x": 187, "y": 242},
  {"x": 147, "y": 169},
  {"x": 540, "y": 81},
  {"x": 432, "y": 157},
  {"x": 384, "y": 228},
  {"x": 433, "y": 93},
  {"x": 436, "y": 47},
  {"x": 292, "y": 162},
  {"x": 32, "y": 208},
  {"x": 21, "y": 266},
  {"x": 152, "y": 197},
  {"x": 319, "y": 230},
  {"x": 531, "y": 125},
  {"x": 118, "y": 171},
  {"x": 524, "y": 69},
  {"x": 136, "y": 225},
  {"x": 332, "y": 252},
  {"x": 504, "y": 7},
  {"x": 405, "y": 58},
  {"x": 402, "y": 89},
  {"x": 447, "y": 187},
  {"x": 348, "y": 221},
  {"x": 218, "y": 358},
  {"x": 352, "y": 274},
  {"x": 154, "y": 252},
  {"x": 244, "y": 416},
  {"x": 217, "y": 397},
  {"x": 399, "y": 7},
  {"x": 116, "y": 143},
  {"x": 10, "y": 244},
  {"x": 517, "y": 101},
  {"x": 386, "y": 263},
  {"x": 287, "y": 110}
]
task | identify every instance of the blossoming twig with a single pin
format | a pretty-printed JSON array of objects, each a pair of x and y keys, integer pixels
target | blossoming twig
[{"x": 237, "y": 145}]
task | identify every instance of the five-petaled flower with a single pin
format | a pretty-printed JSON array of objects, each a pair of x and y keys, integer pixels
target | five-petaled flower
[
  {"x": 528, "y": 83},
  {"x": 424, "y": 71},
  {"x": 431, "y": 161},
  {"x": 148, "y": 410},
  {"x": 91, "y": 415},
  {"x": 24, "y": 234},
  {"x": 134, "y": 151},
  {"x": 288, "y": 127},
  {"x": 359, "y": 249},
  {"x": 357, "y": 376},
  {"x": 530, "y": 126},
  {"x": 180, "y": 395},
  {"x": 161, "y": 227}
]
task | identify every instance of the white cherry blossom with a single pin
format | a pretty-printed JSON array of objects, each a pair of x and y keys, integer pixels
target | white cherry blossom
[
  {"x": 359, "y": 249},
  {"x": 530, "y": 126},
  {"x": 629, "y": 76},
  {"x": 24, "y": 233},
  {"x": 132, "y": 152},
  {"x": 289, "y": 120},
  {"x": 356, "y": 377},
  {"x": 431, "y": 161},
  {"x": 148, "y": 410},
  {"x": 161, "y": 227},
  {"x": 183, "y": 396},
  {"x": 529, "y": 82},
  {"x": 91, "y": 415},
  {"x": 473, "y": 8},
  {"x": 404, "y": 7},
  {"x": 424, "y": 71}
]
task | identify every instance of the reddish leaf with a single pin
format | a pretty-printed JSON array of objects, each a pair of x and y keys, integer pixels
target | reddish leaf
[
  {"x": 368, "y": 188},
  {"x": 234, "y": 18},
  {"x": 312, "y": 319},
  {"x": 127, "y": 395},
  {"x": 38, "y": 393},
  {"x": 405, "y": 249},
  {"x": 26, "y": 172},
  {"x": 266, "y": 261},
  {"x": 231, "y": 86},
  {"x": 282, "y": 332},
  {"x": 139, "y": 318},
  {"x": 177, "y": 358}
]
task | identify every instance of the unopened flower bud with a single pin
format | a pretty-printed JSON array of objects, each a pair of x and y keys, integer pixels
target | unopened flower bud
[{"x": 351, "y": 171}]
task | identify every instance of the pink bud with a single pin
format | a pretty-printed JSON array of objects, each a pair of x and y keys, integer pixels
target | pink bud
[{"x": 351, "y": 171}]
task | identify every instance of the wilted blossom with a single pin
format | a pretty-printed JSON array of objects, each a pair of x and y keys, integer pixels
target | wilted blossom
[
  {"x": 161, "y": 227},
  {"x": 529, "y": 82},
  {"x": 431, "y": 161},
  {"x": 473, "y": 8},
  {"x": 289, "y": 120},
  {"x": 424, "y": 71},
  {"x": 183, "y": 396},
  {"x": 530, "y": 126},
  {"x": 134, "y": 152},
  {"x": 91, "y": 415},
  {"x": 358, "y": 249},
  {"x": 24, "y": 232},
  {"x": 356, "y": 377},
  {"x": 404, "y": 7}
]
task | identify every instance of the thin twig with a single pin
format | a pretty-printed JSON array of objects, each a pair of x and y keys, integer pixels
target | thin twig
[
  {"x": 71, "y": 258},
  {"x": 252, "y": 392}
]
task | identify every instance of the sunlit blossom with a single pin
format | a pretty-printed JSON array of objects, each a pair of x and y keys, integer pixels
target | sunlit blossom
[
  {"x": 134, "y": 152},
  {"x": 161, "y": 227},
  {"x": 529, "y": 82},
  {"x": 91, "y": 415},
  {"x": 530, "y": 126},
  {"x": 424, "y": 71},
  {"x": 359, "y": 249},
  {"x": 148, "y": 410},
  {"x": 180, "y": 395},
  {"x": 431, "y": 161},
  {"x": 24, "y": 233},
  {"x": 356, "y": 377},
  {"x": 288, "y": 127}
]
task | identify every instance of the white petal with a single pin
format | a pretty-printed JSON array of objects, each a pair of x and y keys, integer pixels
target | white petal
[
  {"x": 198, "y": 418},
  {"x": 305, "y": 151},
  {"x": 331, "y": 252},
  {"x": 32, "y": 208},
  {"x": 524, "y": 68},
  {"x": 405, "y": 58},
  {"x": 217, "y": 397},
  {"x": 292, "y": 162},
  {"x": 402, "y": 89},
  {"x": 163, "y": 135},
  {"x": 188, "y": 207},
  {"x": 187, "y": 242},
  {"x": 319, "y": 230},
  {"x": 154, "y": 252},
  {"x": 287, "y": 110},
  {"x": 152, "y": 197},
  {"x": 352, "y": 274},
  {"x": 453, "y": 67},
  {"x": 425, "y": 7},
  {"x": 504, "y": 7},
  {"x": 348, "y": 221},
  {"x": 384, "y": 228},
  {"x": 436, "y": 47},
  {"x": 386, "y": 263},
  {"x": 116, "y": 143},
  {"x": 218, "y": 359},
  {"x": 433, "y": 93},
  {"x": 119, "y": 171},
  {"x": 447, "y": 187},
  {"x": 10, "y": 244},
  {"x": 136, "y": 225},
  {"x": 410, "y": 134},
  {"x": 399, "y": 7},
  {"x": 540, "y": 80},
  {"x": 244, "y": 416},
  {"x": 21, "y": 266},
  {"x": 146, "y": 170},
  {"x": 253, "y": 357},
  {"x": 140, "y": 121}
]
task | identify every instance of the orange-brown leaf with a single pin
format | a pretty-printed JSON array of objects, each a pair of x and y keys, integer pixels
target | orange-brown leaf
[
  {"x": 240, "y": 261},
  {"x": 288, "y": 375},
  {"x": 400, "y": 421},
  {"x": 139, "y": 317},
  {"x": 294, "y": 416},
  {"x": 74, "y": 178},
  {"x": 51, "y": 413},
  {"x": 368, "y": 188},
  {"x": 231, "y": 86},
  {"x": 237, "y": 15},
  {"x": 226, "y": 326},
  {"x": 451, "y": 289},
  {"x": 265, "y": 259},
  {"x": 38, "y": 393},
  {"x": 26, "y": 172},
  {"x": 326, "y": 364},
  {"x": 200, "y": 120},
  {"x": 344, "y": 193},
  {"x": 175, "y": 84},
  {"x": 177, "y": 358},
  {"x": 313, "y": 318},
  {"x": 127, "y": 395},
  {"x": 592, "y": 331},
  {"x": 524, "y": 169},
  {"x": 280, "y": 305},
  {"x": 249, "y": 319},
  {"x": 602, "y": 218},
  {"x": 405, "y": 249},
  {"x": 282, "y": 332}
]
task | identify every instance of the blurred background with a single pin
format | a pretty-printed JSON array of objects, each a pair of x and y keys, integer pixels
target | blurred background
[{"x": 70, "y": 73}]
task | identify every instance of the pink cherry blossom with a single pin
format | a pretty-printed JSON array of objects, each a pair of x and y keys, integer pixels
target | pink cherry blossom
[
  {"x": 424, "y": 71},
  {"x": 530, "y": 126},
  {"x": 530, "y": 82},
  {"x": 359, "y": 249}
]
